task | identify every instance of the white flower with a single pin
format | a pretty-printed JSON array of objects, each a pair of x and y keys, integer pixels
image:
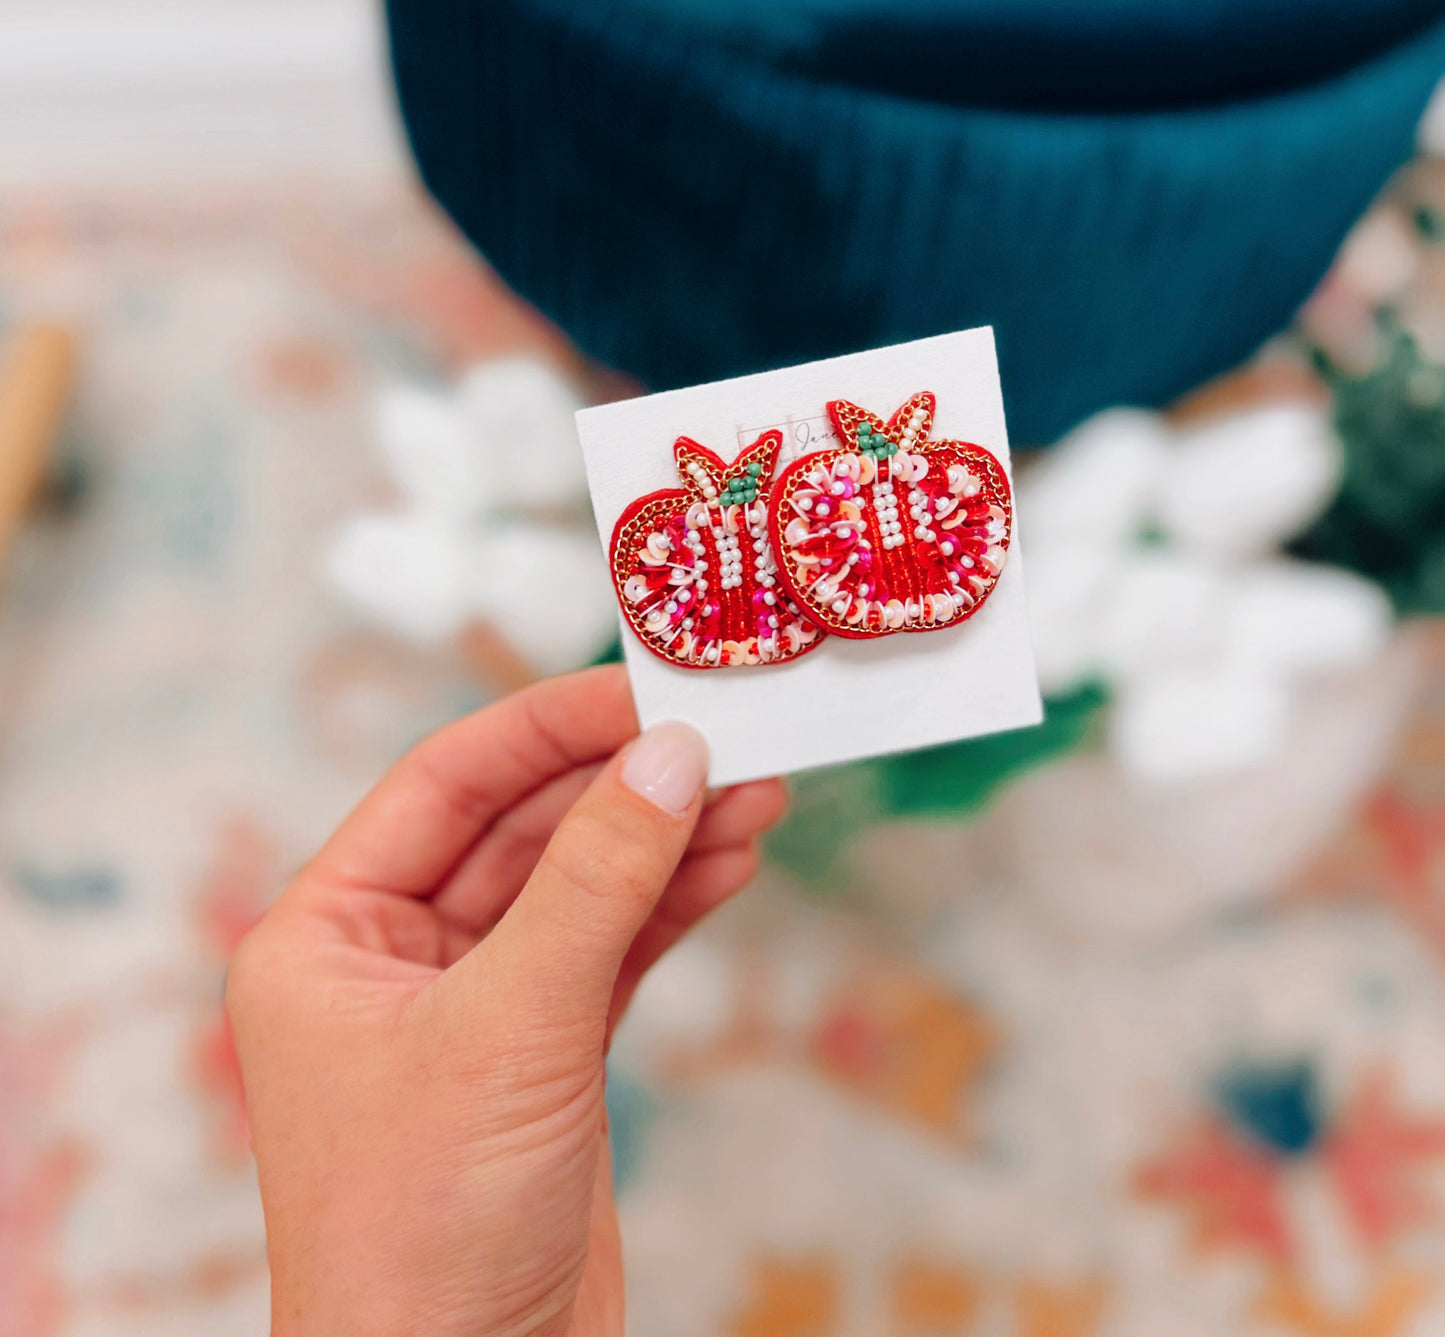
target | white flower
[
  {"x": 1183, "y": 724},
  {"x": 1241, "y": 484},
  {"x": 492, "y": 524},
  {"x": 405, "y": 570},
  {"x": 1152, "y": 567},
  {"x": 520, "y": 410}
]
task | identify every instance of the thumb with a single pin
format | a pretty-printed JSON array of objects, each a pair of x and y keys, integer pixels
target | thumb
[{"x": 561, "y": 943}]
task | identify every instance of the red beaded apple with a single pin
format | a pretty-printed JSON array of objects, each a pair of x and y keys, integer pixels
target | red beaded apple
[
  {"x": 694, "y": 566},
  {"x": 847, "y": 555}
]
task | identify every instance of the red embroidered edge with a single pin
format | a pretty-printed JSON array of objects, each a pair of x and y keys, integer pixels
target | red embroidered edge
[
  {"x": 669, "y": 498},
  {"x": 846, "y": 417},
  {"x": 763, "y": 452},
  {"x": 639, "y": 513}
]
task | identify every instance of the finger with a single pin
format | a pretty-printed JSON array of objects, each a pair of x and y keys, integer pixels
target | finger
[
  {"x": 487, "y": 881},
  {"x": 738, "y": 814},
  {"x": 559, "y": 947},
  {"x": 408, "y": 834},
  {"x": 703, "y": 883},
  {"x": 494, "y": 870}
]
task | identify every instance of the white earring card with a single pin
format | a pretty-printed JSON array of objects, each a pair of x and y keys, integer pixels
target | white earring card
[{"x": 844, "y": 699}]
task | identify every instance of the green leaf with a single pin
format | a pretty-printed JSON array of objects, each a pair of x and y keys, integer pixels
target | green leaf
[
  {"x": 1388, "y": 519},
  {"x": 611, "y": 655},
  {"x": 960, "y": 778},
  {"x": 827, "y": 810},
  {"x": 830, "y": 808}
]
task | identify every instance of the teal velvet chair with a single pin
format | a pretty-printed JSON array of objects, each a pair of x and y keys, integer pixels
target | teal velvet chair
[{"x": 1134, "y": 193}]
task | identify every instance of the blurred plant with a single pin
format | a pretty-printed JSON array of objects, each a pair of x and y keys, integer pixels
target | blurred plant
[
  {"x": 1154, "y": 590},
  {"x": 830, "y": 807},
  {"x": 1153, "y": 569},
  {"x": 1388, "y": 520},
  {"x": 493, "y": 527}
]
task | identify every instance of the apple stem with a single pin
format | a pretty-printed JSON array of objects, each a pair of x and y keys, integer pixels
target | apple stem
[
  {"x": 741, "y": 489},
  {"x": 874, "y": 444}
]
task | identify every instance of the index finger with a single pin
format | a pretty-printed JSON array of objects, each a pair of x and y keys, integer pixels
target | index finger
[{"x": 428, "y": 811}]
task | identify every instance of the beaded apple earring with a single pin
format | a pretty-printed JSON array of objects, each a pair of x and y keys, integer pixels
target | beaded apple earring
[
  {"x": 694, "y": 566},
  {"x": 848, "y": 558}
]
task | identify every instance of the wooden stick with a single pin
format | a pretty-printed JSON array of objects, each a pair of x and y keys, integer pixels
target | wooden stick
[{"x": 35, "y": 379}]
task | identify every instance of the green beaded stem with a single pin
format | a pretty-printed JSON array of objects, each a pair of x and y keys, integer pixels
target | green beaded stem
[
  {"x": 873, "y": 444},
  {"x": 741, "y": 490}
]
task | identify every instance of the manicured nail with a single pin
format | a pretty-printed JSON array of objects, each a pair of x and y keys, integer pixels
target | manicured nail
[{"x": 667, "y": 766}]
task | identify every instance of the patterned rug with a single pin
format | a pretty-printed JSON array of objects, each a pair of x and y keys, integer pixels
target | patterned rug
[{"x": 1102, "y": 1062}]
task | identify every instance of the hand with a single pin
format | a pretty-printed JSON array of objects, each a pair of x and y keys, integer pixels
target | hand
[{"x": 422, "y": 1016}]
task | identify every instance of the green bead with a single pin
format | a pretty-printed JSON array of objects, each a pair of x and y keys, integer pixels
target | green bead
[{"x": 755, "y": 468}]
